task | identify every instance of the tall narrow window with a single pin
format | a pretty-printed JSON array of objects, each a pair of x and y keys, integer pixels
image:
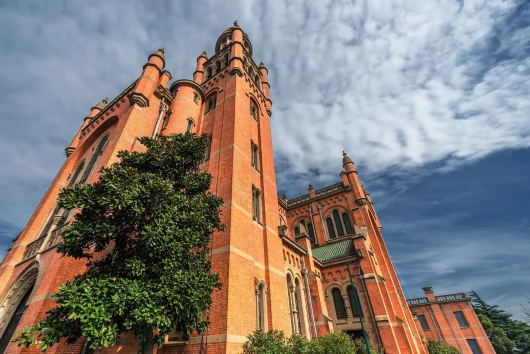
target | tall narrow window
[
  {"x": 353, "y": 305},
  {"x": 15, "y": 319},
  {"x": 195, "y": 97},
  {"x": 93, "y": 159},
  {"x": 71, "y": 181},
  {"x": 473, "y": 345},
  {"x": 347, "y": 223},
  {"x": 225, "y": 60},
  {"x": 311, "y": 233},
  {"x": 208, "y": 149},
  {"x": 331, "y": 229},
  {"x": 253, "y": 111},
  {"x": 461, "y": 319},
  {"x": 210, "y": 103},
  {"x": 254, "y": 155},
  {"x": 423, "y": 322},
  {"x": 339, "y": 303},
  {"x": 260, "y": 307},
  {"x": 190, "y": 125},
  {"x": 338, "y": 223},
  {"x": 256, "y": 204},
  {"x": 208, "y": 73}
]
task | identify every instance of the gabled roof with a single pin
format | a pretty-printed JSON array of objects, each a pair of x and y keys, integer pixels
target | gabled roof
[{"x": 334, "y": 251}]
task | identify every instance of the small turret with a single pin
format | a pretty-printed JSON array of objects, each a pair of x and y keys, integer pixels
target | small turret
[
  {"x": 199, "y": 69},
  {"x": 347, "y": 163},
  {"x": 98, "y": 107},
  {"x": 149, "y": 79},
  {"x": 160, "y": 55}
]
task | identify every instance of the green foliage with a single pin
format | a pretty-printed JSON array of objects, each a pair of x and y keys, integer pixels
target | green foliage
[
  {"x": 271, "y": 342},
  {"x": 440, "y": 347},
  {"x": 515, "y": 331},
  {"x": 501, "y": 343},
  {"x": 154, "y": 213},
  {"x": 274, "y": 342}
]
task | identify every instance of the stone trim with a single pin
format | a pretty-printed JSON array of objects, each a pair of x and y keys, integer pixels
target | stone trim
[
  {"x": 185, "y": 82},
  {"x": 138, "y": 99},
  {"x": 162, "y": 92},
  {"x": 151, "y": 64}
]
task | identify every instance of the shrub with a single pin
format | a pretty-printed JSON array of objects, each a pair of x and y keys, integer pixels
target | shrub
[
  {"x": 274, "y": 342},
  {"x": 441, "y": 347}
]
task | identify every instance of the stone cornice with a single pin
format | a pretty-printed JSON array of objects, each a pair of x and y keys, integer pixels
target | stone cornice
[{"x": 293, "y": 245}]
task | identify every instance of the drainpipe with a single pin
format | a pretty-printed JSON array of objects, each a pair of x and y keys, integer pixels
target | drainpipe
[
  {"x": 319, "y": 207},
  {"x": 434, "y": 321},
  {"x": 309, "y": 302},
  {"x": 451, "y": 326},
  {"x": 162, "y": 110},
  {"x": 376, "y": 328}
]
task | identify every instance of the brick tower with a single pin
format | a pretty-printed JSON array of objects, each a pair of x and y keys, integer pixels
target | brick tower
[{"x": 282, "y": 262}]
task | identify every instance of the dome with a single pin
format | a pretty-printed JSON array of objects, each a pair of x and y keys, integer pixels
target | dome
[
  {"x": 101, "y": 104},
  {"x": 226, "y": 37}
]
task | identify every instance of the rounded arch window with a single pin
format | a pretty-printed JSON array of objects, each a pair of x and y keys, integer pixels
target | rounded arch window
[
  {"x": 191, "y": 124},
  {"x": 352, "y": 294},
  {"x": 338, "y": 301},
  {"x": 339, "y": 225}
]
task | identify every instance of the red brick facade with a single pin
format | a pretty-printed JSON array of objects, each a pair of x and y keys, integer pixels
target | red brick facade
[
  {"x": 273, "y": 249},
  {"x": 450, "y": 318}
]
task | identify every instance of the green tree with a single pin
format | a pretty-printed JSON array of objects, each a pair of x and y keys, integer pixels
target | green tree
[
  {"x": 440, "y": 347},
  {"x": 501, "y": 343},
  {"x": 144, "y": 228},
  {"x": 515, "y": 330}
]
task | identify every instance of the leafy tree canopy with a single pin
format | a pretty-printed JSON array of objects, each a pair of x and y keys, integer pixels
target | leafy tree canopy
[
  {"x": 144, "y": 228},
  {"x": 501, "y": 343},
  {"x": 516, "y": 331}
]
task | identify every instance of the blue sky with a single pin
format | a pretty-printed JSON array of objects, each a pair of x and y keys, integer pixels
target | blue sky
[{"x": 431, "y": 99}]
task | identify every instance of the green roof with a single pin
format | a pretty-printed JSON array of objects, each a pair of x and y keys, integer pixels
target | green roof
[{"x": 334, "y": 250}]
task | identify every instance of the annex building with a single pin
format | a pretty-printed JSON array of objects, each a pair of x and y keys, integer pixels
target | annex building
[{"x": 282, "y": 262}]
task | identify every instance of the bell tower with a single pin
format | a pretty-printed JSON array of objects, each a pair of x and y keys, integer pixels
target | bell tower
[{"x": 228, "y": 99}]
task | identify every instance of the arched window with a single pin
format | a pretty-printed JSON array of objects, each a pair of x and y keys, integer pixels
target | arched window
[
  {"x": 94, "y": 158},
  {"x": 208, "y": 73},
  {"x": 291, "y": 305},
  {"x": 225, "y": 60},
  {"x": 331, "y": 229},
  {"x": 347, "y": 223},
  {"x": 210, "y": 103},
  {"x": 15, "y": 319},
  {"x": 71, "y": 181},
  {"x": 299, "y": 308},
  {"x": 338, "y": 223},
  {"x": 339, "y": 303},
  {"x": 261, "y": 306},
  {"x": 353, "y": 305},
  {"x": 217, "y": 66},
  {"x": 311, "y": 233},
  {"x": 257, "y": 80},
  {"x": 190, "y": 125},
  {"x": 253, "y": 111}
]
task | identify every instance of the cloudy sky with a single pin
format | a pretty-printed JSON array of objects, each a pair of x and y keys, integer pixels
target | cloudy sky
[{"x": 431, "y": 99}]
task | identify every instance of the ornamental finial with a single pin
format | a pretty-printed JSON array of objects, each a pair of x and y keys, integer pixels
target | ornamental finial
[
  {"x": 235, "y": 23},
  {"x": 105, "y": 100}
]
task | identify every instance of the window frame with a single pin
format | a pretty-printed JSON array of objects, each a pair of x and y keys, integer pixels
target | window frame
[
  {"x": 424, "y": 324},
  {"x": 339, "y": 292},
  {"x": 336, "y": 215},
  {"x": 211, "y": 103},
  {"x": 254, "y": 112},
  {"x": 255, "y": 156},
  {"x": 477, "y": 346},
  {"x": 352, "y": 302},
  {"x": 461, "y": 319},
  {"x": 256, "y": 205}
]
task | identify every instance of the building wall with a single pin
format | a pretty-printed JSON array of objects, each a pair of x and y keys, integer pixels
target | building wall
[{"x": 439, "y": 313}]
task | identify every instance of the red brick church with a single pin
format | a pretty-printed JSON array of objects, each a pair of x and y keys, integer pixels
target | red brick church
[{"x": 283, "y": 262}]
